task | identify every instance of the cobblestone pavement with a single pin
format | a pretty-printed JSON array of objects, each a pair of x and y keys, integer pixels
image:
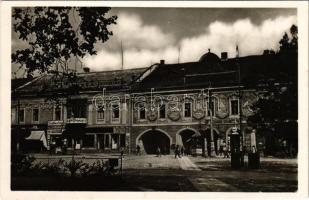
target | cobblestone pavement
[{"x": 165, "y": 173}]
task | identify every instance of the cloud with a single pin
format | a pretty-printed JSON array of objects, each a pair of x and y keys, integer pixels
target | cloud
[
  {"x": 133, "y": 58},
  {"x": 251, "y": 38},
  {"x": 145, "y": 44},
  {"x": 134, "y": 34}
]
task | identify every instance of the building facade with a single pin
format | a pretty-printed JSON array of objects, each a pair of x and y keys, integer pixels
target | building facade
[{"x": 196, "y": 105}]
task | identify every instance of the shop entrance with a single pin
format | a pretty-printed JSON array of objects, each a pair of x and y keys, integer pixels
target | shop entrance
[
  {"x": 153, "y": 139},
  {"x": 108, "y": 141}
]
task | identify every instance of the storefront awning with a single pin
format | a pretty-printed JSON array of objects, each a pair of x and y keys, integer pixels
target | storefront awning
[{"x": 38, "y": 135}]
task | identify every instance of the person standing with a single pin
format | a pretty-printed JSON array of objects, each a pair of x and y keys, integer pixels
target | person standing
[{"x": 158, "y": 152}]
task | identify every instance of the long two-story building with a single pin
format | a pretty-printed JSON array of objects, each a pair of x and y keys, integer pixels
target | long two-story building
[{"x": 196, "y": 104}]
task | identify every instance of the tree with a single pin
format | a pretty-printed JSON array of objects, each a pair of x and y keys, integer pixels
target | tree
[
  {"x": 276, "y": 111},
  {"x": 56, "y": 37},
  {"x": 57, "y": 34},
  {"x": 289, "y": 45}
]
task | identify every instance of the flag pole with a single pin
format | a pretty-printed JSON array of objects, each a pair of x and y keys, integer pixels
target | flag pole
[{"x": 121, "y": 55}]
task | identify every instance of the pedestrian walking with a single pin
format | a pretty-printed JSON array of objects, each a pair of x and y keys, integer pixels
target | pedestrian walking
[
  {"x": 225, "y": 151},
  {"x": 138, "y": 150},
  {"x": 177, "y": 151}
]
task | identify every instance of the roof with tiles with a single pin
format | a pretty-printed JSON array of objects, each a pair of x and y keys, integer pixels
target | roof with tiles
[{"x": 87, "y": 81}]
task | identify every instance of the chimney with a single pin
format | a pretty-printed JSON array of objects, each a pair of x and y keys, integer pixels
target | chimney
[
  {"x": 224, "y": 56},
  {"x": 162, "y": 62},
  {"x": 86, "y": 69}
]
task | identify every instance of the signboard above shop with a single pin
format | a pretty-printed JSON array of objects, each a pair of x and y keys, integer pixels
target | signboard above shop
[
  {"x": 55, "y": 127},
  {"x": 77, "y": 121},
  {"x": 55, "y": 123}
]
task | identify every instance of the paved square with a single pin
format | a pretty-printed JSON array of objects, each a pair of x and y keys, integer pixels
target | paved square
[{"x": 165, "y": 173}]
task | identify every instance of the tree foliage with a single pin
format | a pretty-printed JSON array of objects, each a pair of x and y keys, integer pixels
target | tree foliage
[
  {"x": 276, "y": 111},
  {"x": 56, "y": 34},
  {"x": 289, "y": 45}
]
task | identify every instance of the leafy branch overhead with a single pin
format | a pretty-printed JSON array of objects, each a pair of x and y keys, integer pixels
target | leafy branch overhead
[
  {"x": 56, "y": 34},
  {"x": 276, "y": 111}
]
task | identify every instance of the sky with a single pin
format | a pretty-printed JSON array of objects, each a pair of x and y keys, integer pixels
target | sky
[{"x": 149, "y": 35}]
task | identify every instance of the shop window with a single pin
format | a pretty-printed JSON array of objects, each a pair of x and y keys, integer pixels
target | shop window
[
  {"x": 187, "y": 110},
  {"x": 122, "y": 140},
  {"x": 106, "y": 141},
  {"x": 35, "y": 114},
  {"x": 234, "y": 106},
  {"x": 162, "y": 112},
  {"x": 115, "y": 140},
  {"x": 88, "y": 141}
]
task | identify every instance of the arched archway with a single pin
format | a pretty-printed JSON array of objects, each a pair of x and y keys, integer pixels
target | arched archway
[
  {"x": 152, "y": 139},
  {"x": 189, "y": 138}
]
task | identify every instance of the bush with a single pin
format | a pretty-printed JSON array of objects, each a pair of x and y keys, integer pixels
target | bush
[
  {"x": 53, "y": 169},
  {"x": 73, "y": 166},
  {"x": 98, "y": 168},
  {"x": 21, "y": 164}
]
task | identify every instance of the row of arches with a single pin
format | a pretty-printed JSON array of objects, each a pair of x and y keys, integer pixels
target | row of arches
[{"x": 152, "y": 139}]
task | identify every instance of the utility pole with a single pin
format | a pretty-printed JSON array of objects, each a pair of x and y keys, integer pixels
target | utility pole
[
  {"x": 212, "y": 143},
  {"x": 239, "y": 94}
]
